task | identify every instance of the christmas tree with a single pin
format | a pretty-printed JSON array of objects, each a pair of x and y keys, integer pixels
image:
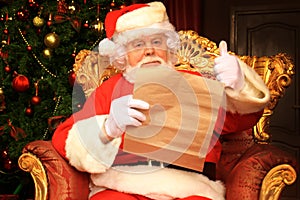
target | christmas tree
[{"x": 39, "y": 41}]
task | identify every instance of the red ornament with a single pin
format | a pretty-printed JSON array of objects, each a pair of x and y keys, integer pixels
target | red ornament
[
  {"x": 36, "y": 100},
  {"x": 86, "y": 24},
  {"x": 7, "y": 69},
  {"x": 72, "y": 77},
  {"x": 24, "y": 32},
  {"x": 38, "y": 31},
  {"x": 29, "y": 111},
  {"x": 5, "y": 31},
  {"x": 33, "y": 4},
  {"x": 29, "y": 48},
  {"x": 62, "y": 7},
  {"x": 49, "y": 23},
  {"x": 3, "y": 55},
  {"x": 22, "y": 14},
  {"x": 20, "y": 83}
]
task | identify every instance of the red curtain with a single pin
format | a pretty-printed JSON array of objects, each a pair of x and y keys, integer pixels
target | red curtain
[{"x": 185, "y": 14}]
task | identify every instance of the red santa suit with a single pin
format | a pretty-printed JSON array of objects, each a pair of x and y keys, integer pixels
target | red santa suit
[{"x": 78, "y": 141}]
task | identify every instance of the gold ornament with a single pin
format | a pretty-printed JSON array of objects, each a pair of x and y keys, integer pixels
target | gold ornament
[
  {"x": 4, "y": 42},
  {"x": 73, "y": 8},
  {"x": 97, "y": 25},
  {"x": 47, "y": 53},
  {"x": 51, "y": 40},
  {"x": 38, "y": 22}
]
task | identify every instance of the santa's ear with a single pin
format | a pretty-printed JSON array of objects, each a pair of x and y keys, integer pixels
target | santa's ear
[{"x": 119, "y": 63}]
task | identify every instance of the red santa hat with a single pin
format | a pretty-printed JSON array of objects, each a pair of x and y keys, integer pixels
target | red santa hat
[{"x": 133, "y": 17}]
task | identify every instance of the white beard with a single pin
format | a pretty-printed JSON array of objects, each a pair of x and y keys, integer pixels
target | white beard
[{"x": 130, "y": 71}]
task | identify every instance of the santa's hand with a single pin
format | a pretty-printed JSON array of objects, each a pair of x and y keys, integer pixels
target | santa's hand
[
  {"x": 227, "y": 69},
  {"x": 123, "y": 112}
]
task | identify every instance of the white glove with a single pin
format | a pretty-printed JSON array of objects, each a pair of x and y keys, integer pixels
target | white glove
[
  {"x": 227, "y": 69},
  {"x": 123, "y": 113}
]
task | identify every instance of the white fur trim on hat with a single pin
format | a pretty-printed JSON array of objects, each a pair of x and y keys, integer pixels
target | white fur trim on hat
[
  {"x": 106, "y": 47},
  {"x": 157, "y": 28},
  {"x": 142, "y": 17}
]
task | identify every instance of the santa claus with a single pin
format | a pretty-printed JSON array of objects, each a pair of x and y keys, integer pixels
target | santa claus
[{"x": 91, "y": 140}]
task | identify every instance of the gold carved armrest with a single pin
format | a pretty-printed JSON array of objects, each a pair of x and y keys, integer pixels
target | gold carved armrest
[
  {"x": 54, "y": 178},
  {"x": 275, "y": 180},
  {"x": 30, "y": 163},
  {"x": 277, "y": 72}
]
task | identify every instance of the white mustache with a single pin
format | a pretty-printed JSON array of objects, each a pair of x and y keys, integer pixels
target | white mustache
[
  {"x": 130, "y": 73},
  {"x": 150, "y": 59}
]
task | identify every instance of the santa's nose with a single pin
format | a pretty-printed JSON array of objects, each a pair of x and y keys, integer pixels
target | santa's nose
[{"x": 149, "y": 51}]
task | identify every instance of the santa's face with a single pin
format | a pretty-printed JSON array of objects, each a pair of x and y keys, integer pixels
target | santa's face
[{"x": 146, "y": 51}]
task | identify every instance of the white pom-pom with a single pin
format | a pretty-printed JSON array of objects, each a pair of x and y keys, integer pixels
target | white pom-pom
[{"x": 106, "y": 47}]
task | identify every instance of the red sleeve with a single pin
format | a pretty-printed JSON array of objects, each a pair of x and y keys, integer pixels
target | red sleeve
[
  {"x": 235, "y": 122},
  {"x": 60, "y": 135},
  {"x": 97, "y": 104},
  {"x": 227, "y": 123}
]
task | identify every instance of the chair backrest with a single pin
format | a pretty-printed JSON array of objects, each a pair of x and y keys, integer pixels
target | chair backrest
[
  {"x": 91, "y": 70},
  {"x": 277, "y": 72},
  {"x": 197, "y": 53}
]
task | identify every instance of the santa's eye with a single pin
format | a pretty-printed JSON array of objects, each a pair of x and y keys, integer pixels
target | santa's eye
[
  {"x": 138, "y": 44},
  {"x": 157, "y": 42}
]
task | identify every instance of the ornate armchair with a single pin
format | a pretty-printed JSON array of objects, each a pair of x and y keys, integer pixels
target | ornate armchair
[{"x": 250, "y": 166}]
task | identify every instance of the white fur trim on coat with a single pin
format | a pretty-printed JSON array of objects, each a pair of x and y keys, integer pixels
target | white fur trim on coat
[
  {"x": 254, "y": 95},
  {"x": 159, "y": 183},
  {"x": 84, "y": 148}
]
